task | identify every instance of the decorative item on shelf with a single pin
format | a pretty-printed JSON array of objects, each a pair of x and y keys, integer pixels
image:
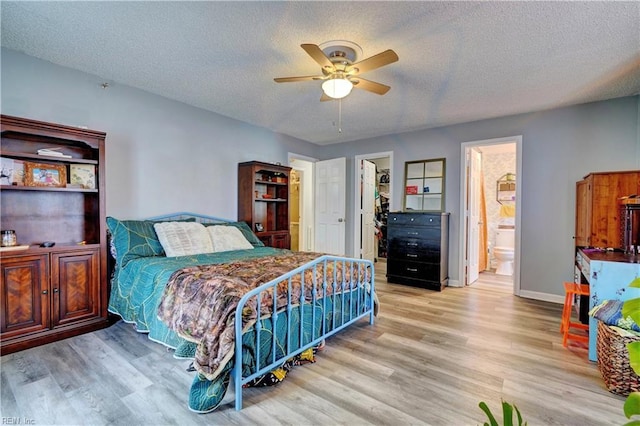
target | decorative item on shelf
[
  {"x": 37, "y": 174},
  {"x": 6, "y": 171},
  {"x": 11, "y": 171},
  {"x": 267, "y": 196},
  {"x": 52, "y": 152},
  {"x": 280, "y": 178},
  {"x": 9, "y": 238},
  {"x": 83, "y": 175},
  {"x": 259, "y": 227}
]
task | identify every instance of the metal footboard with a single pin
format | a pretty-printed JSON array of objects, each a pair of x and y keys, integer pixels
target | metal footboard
[{"x": 350, "y": 290}]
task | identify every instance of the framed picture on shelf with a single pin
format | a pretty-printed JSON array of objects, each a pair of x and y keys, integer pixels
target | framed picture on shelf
[
  {"x": 83, "y": 175},
  {"x": 38, "y": 174},
  {"x": 259, "y": 227}
]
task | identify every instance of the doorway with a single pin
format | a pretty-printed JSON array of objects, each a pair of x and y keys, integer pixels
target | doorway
[
  {"x": 301, "y": 215},
  {"x": 490, "y": 199},
  {"x": 383, "y": 183},
  {"x": 320, "y": 219}
]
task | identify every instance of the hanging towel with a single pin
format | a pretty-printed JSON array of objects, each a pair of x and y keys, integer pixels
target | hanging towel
[{"x": 507, "y": 210}]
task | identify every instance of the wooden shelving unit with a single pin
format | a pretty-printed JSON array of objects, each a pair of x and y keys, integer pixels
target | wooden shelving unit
[
  {"x": 50, "y": 293},
  {"x": 263, "y": 201}
]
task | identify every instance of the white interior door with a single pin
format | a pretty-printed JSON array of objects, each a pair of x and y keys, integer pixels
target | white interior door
[
  {"x": 368, "y": 200},
  {"x": 473, "y": 242},
  {"x": 330, "y": 200}
]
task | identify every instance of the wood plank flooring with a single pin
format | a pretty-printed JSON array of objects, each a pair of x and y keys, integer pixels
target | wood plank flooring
[{"x": 429, "y": 359}]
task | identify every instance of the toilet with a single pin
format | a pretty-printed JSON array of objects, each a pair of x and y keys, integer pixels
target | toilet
[{"x": 504, "y": 251}]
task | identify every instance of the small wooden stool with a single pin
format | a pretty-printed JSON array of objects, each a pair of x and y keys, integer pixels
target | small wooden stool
[{"x": 570, "y": 291}]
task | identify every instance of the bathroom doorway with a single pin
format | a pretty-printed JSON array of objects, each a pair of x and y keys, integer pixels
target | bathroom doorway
[{"x": 490, "y": 195}]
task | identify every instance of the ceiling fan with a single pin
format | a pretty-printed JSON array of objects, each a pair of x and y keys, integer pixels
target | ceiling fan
[{"x": 340, "y": 71}]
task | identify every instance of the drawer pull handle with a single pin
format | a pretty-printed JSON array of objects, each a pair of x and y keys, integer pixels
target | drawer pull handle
[
  {"x": 413, "y": 244},
  {"x": 412, "y": 269},
  {"x": 411, "y": 255},
  {"x": 412, "y": 233}
]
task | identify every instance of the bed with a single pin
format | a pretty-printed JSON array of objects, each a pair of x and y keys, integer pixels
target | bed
[{"x": 239, "y": 309}]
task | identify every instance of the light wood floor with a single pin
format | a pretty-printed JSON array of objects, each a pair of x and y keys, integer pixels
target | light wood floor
[{"x": 429, "y": 359}]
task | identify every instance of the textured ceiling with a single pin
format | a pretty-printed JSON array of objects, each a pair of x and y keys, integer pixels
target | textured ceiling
[{"x": 459, "y": 61}]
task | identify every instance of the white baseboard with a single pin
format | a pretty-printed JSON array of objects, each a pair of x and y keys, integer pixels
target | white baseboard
[
  {"x": 546, "y": 297},
  {"x": 454, "y": 283}
]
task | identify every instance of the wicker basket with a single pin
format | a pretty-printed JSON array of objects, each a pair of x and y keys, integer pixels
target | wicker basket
[{"x": 613, "y": 360}]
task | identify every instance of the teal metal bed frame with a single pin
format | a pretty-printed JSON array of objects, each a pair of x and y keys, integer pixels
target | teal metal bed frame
[{"x": 358, "y": 294}]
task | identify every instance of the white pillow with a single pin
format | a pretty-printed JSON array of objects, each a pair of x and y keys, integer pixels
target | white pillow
[
  {"x": 225, "y": 238},
  {"x": 183, "y": 238}
]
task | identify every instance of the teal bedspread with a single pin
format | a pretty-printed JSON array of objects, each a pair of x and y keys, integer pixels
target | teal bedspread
[{"x": 137, "y": 288}]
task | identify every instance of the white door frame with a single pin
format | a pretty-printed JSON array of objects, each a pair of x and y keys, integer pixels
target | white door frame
[
  {"x": 464, "y": 208},
  {"x": 307, "y": 221},
  {"x": 357, "y": 194},
  {"x": 368, "y": 205},
  {"x": 473, "y": 224}
]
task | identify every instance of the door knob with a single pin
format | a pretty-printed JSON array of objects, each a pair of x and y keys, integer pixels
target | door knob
[{"x": 340, "y": 219}]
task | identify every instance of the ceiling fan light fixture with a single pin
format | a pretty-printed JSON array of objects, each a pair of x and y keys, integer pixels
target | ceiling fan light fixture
[{"x": 337, "y": 88}]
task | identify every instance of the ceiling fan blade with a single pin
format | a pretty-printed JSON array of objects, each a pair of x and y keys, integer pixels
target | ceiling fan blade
[
  {"x": 373, "y": 62},
  {"x": 325, "y": 98},
  {"x": 370, "y": 86},
  {"x": 305, "y": 78},
  {"x": 318, "y": 55}
]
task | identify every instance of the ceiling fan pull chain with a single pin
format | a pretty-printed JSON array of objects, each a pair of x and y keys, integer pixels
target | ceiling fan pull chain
[{"x": 339, "y": 115}]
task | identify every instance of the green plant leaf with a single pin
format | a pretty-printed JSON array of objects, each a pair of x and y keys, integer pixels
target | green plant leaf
[
  {"x": 631, "y": 308},
  {"x": 632, "y": 404},
  {"x": 634, "y": 356},
  {"x": 484, "y": 407},
  {"x": 635, "y": 283},
  {"x": 507, "y": 413},
  {"x": 519, "y": 416}
]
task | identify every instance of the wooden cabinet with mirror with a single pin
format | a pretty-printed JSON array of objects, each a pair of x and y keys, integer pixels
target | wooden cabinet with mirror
[{"x": 424, "y": 185}]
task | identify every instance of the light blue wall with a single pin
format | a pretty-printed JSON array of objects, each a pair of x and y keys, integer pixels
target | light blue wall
[
  {"x": 559, "y": 147},
  {"x": 162, "y": 156},
  {"x": 165, "y": 156}
]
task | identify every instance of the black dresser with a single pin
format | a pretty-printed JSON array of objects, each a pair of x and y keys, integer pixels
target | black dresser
[{"x": 418, "y": 249}]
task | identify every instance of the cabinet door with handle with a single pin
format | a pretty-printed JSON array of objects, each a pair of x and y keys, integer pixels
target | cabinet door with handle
[
  {"x": 75, "y": 286},
  {"x": 24, "y": 299}
]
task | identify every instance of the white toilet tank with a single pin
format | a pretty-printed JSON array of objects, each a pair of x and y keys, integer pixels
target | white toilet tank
[{"x": 505, "y": 238}]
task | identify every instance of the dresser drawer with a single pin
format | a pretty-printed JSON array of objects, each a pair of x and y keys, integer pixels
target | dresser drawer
[
  {"x": 419, "y": 219},
  {"x": 414, "y": 232},
  {"x": 415, "y": 270},
  {"x": 422, "y": 254},
  {"x": 414, "y": 249}
]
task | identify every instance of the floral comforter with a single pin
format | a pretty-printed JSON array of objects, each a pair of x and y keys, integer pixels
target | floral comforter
[{"x": 199, "y": 302}]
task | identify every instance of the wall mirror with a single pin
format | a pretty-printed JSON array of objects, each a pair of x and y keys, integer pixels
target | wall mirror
[{"x": 424, "y": 185}]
